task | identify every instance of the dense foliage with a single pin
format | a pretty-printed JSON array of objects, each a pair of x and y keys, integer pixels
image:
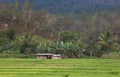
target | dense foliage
[
  {"x": 73, "y": 6},
  {"x": 68, "y": 36},
  {"x": 25, "y": 31}
]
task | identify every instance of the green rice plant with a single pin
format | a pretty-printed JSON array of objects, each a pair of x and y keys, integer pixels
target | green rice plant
[{"x": 16, "y": 67}]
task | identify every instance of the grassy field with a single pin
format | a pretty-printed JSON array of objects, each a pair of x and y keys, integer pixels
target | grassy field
[{"x": 60, "y": 68}]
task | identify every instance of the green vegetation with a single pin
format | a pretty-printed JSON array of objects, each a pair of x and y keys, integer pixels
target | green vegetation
[
  {"x": 25, "y": 31},
  {"x": 69, "y": 46},
  {"x": 107, "y": 42},
  {"x": 68, "y": 36},
  {"x": 73, "y": 6},
  {"x": 60, "y": 68}
]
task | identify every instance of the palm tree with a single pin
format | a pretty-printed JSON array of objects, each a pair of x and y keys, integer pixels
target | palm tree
[
  {"x": 107, "y": 41},
  {"x": 27, "y": 43}
]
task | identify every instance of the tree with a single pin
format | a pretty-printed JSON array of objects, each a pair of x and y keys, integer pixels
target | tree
[
  {"x": 68, "y": 36},
  {"x": 27, "y": 44},
  {"x": 27, "y": 10},
  {"x": 4, "y": 44},
  {"x": 107, "y": 42},
  {"x": 10, "y": 34}
]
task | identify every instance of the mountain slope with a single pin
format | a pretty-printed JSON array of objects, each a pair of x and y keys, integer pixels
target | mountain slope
[{"x": 73, "y": 6}]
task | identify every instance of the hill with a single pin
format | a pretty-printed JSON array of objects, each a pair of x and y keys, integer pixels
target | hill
[{"x": 73, "y": 6}]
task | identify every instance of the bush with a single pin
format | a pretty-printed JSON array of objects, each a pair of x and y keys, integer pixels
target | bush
[
  {"x": 14, "y": 54},
  {"x": 5, "y": 55}
]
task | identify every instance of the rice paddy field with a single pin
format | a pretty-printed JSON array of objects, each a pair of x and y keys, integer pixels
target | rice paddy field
[{"x": 60, "y": 68}]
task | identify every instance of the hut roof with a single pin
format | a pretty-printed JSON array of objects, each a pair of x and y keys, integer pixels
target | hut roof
[
  {"x": 56, "y": 55},
  {"x": 44, "y": 54}
]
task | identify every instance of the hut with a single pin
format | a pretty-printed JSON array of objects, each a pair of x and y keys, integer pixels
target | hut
[
  {"x": 47, "y": 56},
  {"x": 56, "y": 56}
]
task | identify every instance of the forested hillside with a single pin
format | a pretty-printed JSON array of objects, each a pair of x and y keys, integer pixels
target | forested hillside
[{"x": 73, "y": 6}]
